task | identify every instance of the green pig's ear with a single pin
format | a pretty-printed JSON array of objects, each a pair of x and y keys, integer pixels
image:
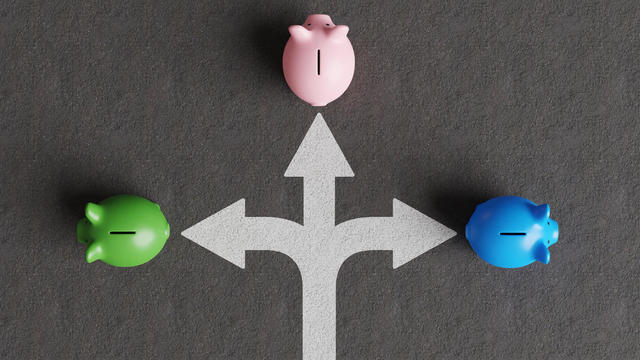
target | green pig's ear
[
  {"x": 94, "y": 252},
  {"x": 93, "y": 212}
]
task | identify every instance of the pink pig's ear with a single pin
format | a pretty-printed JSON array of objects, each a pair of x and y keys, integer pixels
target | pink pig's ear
[
  {"x": 299, "y": 32},
  {"x": 339, "y": 32}
]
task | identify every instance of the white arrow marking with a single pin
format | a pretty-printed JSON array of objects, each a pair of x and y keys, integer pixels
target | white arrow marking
[
  {"x": 408, "y": 233},
  {"x": 229, "y": 233},
  {"x": 319, "y": 161},
  {"x": 319, "y": 247}
]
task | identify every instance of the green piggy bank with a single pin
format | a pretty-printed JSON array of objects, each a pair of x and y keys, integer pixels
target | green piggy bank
[{"x": 123, "y": 230}]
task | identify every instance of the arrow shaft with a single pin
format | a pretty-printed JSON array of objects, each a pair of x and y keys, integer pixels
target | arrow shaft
[
  {"x": 319, "y": 281},
  {"x": 319, "y": 202}
]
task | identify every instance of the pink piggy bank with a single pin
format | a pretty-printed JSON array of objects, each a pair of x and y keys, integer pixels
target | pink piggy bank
[{"x": 318, "y": 60}]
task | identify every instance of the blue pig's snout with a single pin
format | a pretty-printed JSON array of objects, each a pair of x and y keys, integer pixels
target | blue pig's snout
[{"x": 554, "y": 231}]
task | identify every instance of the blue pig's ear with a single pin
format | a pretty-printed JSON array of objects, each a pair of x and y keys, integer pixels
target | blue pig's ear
[
  {"x": 541, "y": 211},
  {"x": 541, "y": 253},
  {"x": 93, "y": 212}
]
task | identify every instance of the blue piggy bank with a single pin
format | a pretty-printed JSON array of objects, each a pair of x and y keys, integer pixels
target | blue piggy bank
[{"x": 511, "y": 231}]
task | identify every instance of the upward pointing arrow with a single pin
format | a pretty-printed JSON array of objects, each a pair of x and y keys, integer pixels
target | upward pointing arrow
[
  {"x": 319, "y": 155},
  {"x": 319, "y": 161}
]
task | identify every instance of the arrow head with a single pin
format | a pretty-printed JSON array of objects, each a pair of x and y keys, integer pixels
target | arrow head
[
  {"x": 319, "y": 154},
  {"x": 221, "y": 233},
  {"x": 421, "y": 234}
]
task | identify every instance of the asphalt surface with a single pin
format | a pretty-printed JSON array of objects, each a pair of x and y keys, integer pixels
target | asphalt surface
[{"x": 452, "y": 103}]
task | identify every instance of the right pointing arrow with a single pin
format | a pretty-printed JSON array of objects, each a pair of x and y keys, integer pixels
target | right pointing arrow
[{"x": 408, "y": 233}]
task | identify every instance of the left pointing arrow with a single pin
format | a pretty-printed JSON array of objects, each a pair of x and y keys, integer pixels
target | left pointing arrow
[{"x": 229, "y": 233}]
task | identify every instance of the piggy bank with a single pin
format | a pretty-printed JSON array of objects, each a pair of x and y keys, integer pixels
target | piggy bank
[
  {"x": 511, "y": 231},
  {"x": 123, "y": 230},
  {"x": 318, "y": 60}
]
